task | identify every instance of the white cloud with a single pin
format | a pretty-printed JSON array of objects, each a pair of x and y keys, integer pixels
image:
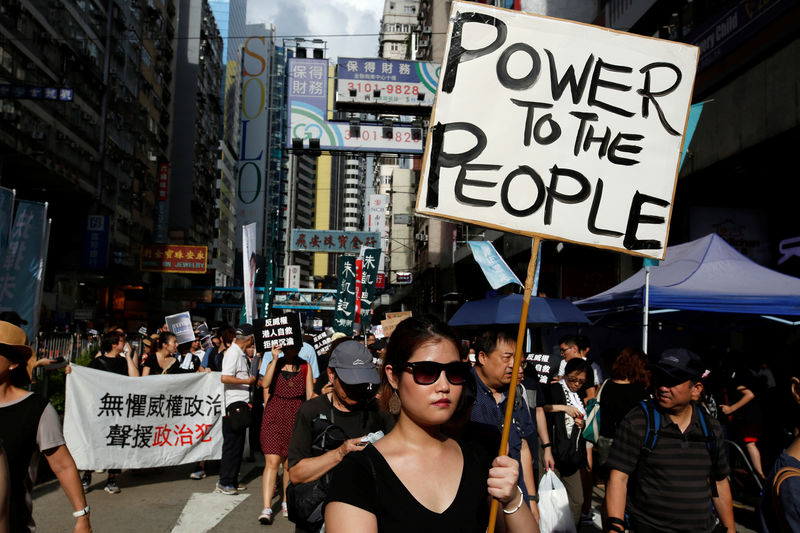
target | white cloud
[{"x": 324, "y": 18}]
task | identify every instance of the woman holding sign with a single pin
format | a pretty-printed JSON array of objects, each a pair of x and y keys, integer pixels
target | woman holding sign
[
  {"x": 287, "y": 383},
  {"x": 416, "y": 478}
]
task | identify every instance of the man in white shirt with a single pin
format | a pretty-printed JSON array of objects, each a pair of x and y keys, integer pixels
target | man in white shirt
[{"x": 236, "y": 381}]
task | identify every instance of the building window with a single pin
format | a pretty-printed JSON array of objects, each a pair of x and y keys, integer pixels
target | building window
[{"x": 409, "y": 9}]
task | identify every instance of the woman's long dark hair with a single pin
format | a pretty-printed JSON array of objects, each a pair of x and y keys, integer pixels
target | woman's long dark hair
[{"x": 408, "y": 337}]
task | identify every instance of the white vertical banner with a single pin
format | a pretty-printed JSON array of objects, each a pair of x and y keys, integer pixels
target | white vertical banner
[
  {"x": 377, "y": 223},
  {"x": 249, "y": 269},
  {"x": 113, "y": 421}
]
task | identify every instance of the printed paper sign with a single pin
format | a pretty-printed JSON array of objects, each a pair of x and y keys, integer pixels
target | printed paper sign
[
  {"x": 278, "y": 331},
  {"x": 180, "y": 325},
  {"x": 114, "y": 421},
  {"x": 322, "y": 341},
  {"x": 581, "y": 140}
]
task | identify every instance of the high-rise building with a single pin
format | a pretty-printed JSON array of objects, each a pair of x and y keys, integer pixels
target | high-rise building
[
  {"x": 354, "y": 177},
  {"x": 193, "y": 183},
  {"x": 230, "y": 16},
  {"x": 397, "y": 24},
  {"x": 93, "y": 146}
]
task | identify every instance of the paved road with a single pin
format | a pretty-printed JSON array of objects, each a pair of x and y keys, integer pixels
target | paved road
[{"x": 168, "y": 501}]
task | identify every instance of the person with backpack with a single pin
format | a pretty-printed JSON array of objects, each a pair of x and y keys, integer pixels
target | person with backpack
[
  {"x": 780, "y": 503},
  {"x": 668, "y": 461},
  {"x": 330, "y": 426}
]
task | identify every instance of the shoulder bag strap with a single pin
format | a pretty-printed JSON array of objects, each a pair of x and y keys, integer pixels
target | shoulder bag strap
[
  {"x": 600, "y": 390},
  {"x": 780, "y": 476}
]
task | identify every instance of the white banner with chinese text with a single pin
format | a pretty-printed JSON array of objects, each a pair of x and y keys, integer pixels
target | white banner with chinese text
[{"x": 114, "y": 421}]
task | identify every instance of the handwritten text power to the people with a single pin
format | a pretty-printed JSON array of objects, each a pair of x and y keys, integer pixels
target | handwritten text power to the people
[{"x": 552, "y": 128}]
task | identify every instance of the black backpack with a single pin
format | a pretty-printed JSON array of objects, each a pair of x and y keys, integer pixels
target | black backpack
[
  {"x": 651, "y": 435},
  {"x": 306, "y": 501}
]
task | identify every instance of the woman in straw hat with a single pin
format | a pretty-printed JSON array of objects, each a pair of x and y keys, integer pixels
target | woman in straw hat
[{"x": 29, "y": 425}]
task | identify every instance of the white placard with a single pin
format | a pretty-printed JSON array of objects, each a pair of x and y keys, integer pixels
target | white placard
[
  {"x": 114, "y": 421},
  {"x": 180, "y": 325},
  {"x": 553, "y": 128},
  {"x": 249, "y": 270}
]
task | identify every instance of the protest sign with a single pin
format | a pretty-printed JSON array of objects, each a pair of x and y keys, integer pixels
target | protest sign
[
  {"x": 23, "y": 262},
  {"x": 544, "y": 364},
  {"x": 582, "y": 139},
  {"x": 204, "y": 334},
  {"x": 180, "y": 325},
  {"x": 378, "y": 332},
  {"x": 388, "y": 325},
  {"x": 369, "y": 274},
  {"x": 249, "y": 270},
  {"x": 346, "y": 296},
  {"x": 278, "y": 331},
  {"x": 322, "y": 341},
  {"x": 399, "y": 314},
  {"x": 114, "y": 421},
  {"x": 6, "y": 215}
]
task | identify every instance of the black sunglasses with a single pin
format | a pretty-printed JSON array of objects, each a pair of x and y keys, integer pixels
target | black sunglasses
[{"x": 427, "y": 372}]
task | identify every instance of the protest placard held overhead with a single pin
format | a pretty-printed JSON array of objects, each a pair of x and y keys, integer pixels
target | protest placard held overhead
[{"x": 558, "y": 129}]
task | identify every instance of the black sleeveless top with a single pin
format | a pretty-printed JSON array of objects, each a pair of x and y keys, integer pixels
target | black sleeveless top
[
  {"x": 19, "y": 424},
  {"x": 365, "y": 480}
]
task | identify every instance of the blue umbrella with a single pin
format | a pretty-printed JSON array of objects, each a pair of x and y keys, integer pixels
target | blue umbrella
[{"x": 507, "y": 310}]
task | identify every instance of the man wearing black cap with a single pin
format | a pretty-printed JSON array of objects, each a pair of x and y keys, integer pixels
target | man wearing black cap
[
  {"x": 350, "y": 407},
  {"x": 236, "y": 380},
  {"x": 665, "y": 467}
]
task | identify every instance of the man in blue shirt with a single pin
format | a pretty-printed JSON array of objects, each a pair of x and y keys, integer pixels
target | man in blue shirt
[
  {"x": 494, "y": 362},
  {"x": 307, "y": 354}
]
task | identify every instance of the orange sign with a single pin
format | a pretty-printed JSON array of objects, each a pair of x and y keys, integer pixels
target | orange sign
[{"x": 174, "y": 258}]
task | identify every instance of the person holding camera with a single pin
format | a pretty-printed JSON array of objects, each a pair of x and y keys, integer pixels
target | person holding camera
[{"x": 330, "y": 426}]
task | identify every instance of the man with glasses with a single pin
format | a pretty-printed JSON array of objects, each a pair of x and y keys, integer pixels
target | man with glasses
[
  {"x": 493, "y": 369},
  {"x": 665, "y": 483},
  {"x": 350, "y": 407}
]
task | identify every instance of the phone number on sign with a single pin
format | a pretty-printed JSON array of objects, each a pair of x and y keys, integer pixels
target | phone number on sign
[
  {"x": 374, "y": 135},
  {"x": 390, "y": 89}
]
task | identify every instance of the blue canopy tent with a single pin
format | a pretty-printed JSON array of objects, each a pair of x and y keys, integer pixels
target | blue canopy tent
[{"x": 706, "y": 274}]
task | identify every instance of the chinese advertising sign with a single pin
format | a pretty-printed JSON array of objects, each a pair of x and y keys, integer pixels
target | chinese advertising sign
[
  {"x": 174, "y": 258},
  {"x": 386, "y": 82},
  {"x": 307, "y": 92},
  {"x": 333, "y": 241}
]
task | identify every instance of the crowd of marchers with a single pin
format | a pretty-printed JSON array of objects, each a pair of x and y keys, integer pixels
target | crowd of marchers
[{"x": 403, "y": 433}]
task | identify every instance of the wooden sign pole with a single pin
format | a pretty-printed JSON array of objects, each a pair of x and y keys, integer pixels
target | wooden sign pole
[{"x": 512, "y": 388}]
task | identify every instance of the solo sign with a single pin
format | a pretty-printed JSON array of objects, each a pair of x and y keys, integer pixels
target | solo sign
[
  {"x": 582, "y": 137},
  {"x": 250, "y": 173}
]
